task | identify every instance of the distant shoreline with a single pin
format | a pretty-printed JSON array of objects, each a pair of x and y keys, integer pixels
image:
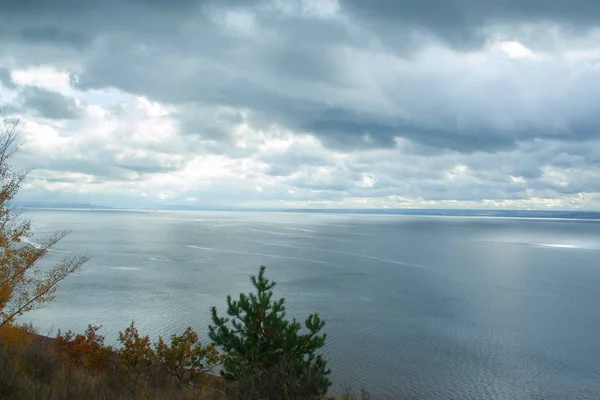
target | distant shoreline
[{"x": 521, "y": 214}]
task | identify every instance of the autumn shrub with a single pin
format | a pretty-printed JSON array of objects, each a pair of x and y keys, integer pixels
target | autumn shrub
[
  {"x": 87, "y": 350},
  {"x": 136, "y": 351},
  {"x": 16, "y": 338},
  {"x": 184, "y": 357},
  {"x": 26, "y": 360},
  {"x": 39, "y": 373}
]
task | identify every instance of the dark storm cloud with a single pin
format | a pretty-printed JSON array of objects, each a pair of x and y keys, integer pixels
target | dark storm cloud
[
  {"x": 471, "y": 12},
  {"x": 345, "y": 129},
  {"x": 49, "y": 104},
  {"x": 54, "y": 35},
  {"x": 463, "y": 23},
  {"x": 292, "y": 71},
  {"x": 444, "y": 18},
  {"x": 208, "y": 123}
]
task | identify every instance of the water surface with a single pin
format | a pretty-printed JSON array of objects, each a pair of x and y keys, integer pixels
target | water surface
[{"x": 446, "y": 308}]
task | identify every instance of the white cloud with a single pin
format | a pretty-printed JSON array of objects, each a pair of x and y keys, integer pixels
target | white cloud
[
  {"x": 367, "y": 181},
  {"x": 45, "y": 77},
  {"x": 516, "y": 50}
]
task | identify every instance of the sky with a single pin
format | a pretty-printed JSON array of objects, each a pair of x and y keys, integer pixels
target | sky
[{"x": 306, "y": 103}]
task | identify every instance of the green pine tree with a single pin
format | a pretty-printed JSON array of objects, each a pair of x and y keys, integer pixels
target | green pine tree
[{"x": 266, "y": 353}]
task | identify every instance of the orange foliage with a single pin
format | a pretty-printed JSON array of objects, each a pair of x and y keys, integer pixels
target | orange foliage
[
  {"x": 184, "y": 357},
  {"x": 87, "y": 350},
  {"x": 16, "y": 338},
  {"x": 136, "y": 350}
]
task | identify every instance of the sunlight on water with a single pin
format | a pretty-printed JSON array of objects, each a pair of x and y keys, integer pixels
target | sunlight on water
[{"x": 578, "y": 246}]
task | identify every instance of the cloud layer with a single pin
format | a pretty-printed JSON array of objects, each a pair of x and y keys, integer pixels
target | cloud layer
[{"x": 317, "y": 103}]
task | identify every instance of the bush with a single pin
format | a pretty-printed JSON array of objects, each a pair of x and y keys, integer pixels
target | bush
[
  {"x": 266, "y": 354},
  {"x": 42, "y": 371},
  {"x": 87, "y": 350},
  {"x": 136, "y": 350},
  {"x": 185, "y": 356},
  {"x": 16, "y": 338}
]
